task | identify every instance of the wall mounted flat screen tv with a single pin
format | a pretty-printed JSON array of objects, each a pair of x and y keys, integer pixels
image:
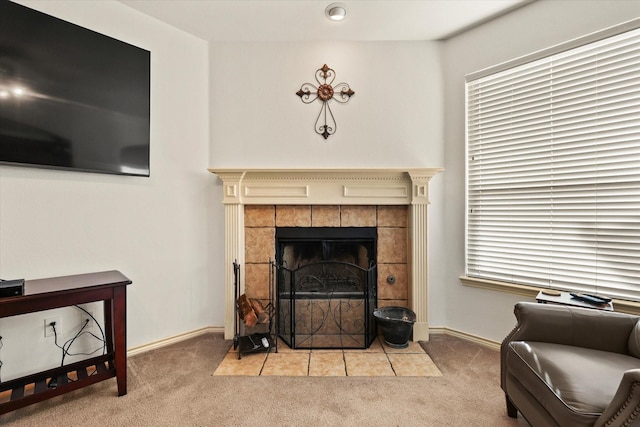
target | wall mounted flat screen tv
[{"x": 71, "y": 98}]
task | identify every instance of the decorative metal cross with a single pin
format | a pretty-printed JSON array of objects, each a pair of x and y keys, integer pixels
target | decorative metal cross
[{"x": 325, "y": 93}]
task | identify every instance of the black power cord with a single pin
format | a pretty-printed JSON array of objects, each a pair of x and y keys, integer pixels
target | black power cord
[
  {"x": 101, "y": 339},
  {"x": 67, "y": 344}
]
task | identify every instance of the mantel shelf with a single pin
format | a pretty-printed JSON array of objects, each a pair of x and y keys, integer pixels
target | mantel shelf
[{"x": 354, "y": 186}]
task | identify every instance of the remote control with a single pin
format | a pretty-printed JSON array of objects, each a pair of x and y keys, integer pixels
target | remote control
[
  {"x": 265, "y": 342},
  {"x": 605, "y": 299},
  {"x": 588, "y": 298}
]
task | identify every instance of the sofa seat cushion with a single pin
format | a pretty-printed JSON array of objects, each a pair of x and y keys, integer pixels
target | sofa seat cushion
[{"x": 567, "y": 380}]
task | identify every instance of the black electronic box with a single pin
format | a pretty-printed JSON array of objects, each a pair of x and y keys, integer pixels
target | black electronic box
[{"x": 11, "y": 288}]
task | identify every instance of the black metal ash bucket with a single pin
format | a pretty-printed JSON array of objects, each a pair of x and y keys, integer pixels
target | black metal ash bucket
[{"x": 396, "y": 324}]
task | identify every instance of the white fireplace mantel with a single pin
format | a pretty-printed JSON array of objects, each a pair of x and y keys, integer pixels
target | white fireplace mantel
[{"x": 370, "y": 186}]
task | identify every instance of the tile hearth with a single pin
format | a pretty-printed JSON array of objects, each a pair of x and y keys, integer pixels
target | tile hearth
[{"x": 378, "y": 360}]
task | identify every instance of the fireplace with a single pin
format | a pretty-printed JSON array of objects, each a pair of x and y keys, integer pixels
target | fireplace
[
  {"x": 331, "y": 198},
  {"x": 326, "y": 286}
]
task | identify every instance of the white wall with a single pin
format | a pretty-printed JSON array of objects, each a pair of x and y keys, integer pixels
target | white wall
[
  {"x": 394, "y": 119},
  {"x": 159, "y": 231},
  {"x": 537, "y": 26}
]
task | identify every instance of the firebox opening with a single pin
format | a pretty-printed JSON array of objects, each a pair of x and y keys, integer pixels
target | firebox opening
[
  {"x": 327, "y": 286},
  {"x": 299, "y": 246}
]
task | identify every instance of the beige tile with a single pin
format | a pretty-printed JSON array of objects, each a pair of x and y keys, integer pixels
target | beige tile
[
  {"x": 327, "y": 350},
  {"x": 375, "y": 347},
  {"x": 250, "y": 364},
  {"x": 368, "y": 365},
  {"x": 326, "y": 341},
  {"x": 286, "y": 364},
  {"x": 358, "y": 216},
  {"x": 355, "y": 342},
  {"x": 325, "y": 216},
  {"x": 283, "y": 347},
  {"x": 397, "y": 290},
  {"x": 393, "y": 216},
  {"x": 256, "y": 278},
  {"x": 392, "y": 245},
  {"x": 260, "y": 244},
  {"x": 414, "y": 365},
  {"x": 293, "y": 216},
  {"x": 378, "y": 360},
  {"x": 413, "y": 347},
  {"x": 325, "y": 364},
  {"x": 259, "y": 216},
  {"x": 302, "y": 341}
]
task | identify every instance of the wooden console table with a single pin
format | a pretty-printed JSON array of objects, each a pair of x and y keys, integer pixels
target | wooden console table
[{"x": 56, "y": 292}]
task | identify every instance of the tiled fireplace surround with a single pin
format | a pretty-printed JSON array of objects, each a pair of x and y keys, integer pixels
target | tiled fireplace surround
[{"x": 393, "y": 200}]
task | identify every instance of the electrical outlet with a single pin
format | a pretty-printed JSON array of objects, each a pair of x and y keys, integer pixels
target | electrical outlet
[{"x": 48, "y": 329}]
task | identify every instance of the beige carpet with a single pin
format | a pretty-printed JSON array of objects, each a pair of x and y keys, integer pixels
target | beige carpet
[
  {"x": 174, "y": 386},
  {"x": 379, "y": 360}
]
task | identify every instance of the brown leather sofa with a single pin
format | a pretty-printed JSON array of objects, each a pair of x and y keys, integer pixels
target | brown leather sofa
[{"x": 572, "y": 367}]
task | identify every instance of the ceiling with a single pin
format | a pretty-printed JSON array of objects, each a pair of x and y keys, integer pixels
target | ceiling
[{"x": 305, "y": 20}]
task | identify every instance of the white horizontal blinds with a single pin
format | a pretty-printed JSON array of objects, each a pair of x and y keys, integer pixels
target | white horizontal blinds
[{"x": 554, "y": 171}]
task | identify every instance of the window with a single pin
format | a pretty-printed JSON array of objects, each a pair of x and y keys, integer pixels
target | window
[{"x": 553, "y": 169}]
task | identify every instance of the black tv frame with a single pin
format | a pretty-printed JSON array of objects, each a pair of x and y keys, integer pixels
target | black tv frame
[{"x": 85, "y": 101}]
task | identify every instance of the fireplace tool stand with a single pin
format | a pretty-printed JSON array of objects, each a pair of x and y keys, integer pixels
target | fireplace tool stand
[{"x": 250, "y": 337}]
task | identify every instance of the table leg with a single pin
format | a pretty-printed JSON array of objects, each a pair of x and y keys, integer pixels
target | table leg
[{"x": 120, "y": 337}]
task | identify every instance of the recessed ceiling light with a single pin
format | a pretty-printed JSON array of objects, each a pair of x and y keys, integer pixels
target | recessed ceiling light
[{"x": 336, "y": 11}]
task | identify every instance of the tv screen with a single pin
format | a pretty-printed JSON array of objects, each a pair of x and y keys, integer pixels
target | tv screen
[{"x": 71, "y": 98}]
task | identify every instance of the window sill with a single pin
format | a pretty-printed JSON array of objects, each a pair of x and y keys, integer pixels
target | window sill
[{"x": 622, "y": 306}]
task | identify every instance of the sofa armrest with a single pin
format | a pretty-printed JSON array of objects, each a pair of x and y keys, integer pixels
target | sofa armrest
[
  {"x": 624, "y": 409},
  {"x": 561, "y": 324},
  {"x": 581, "y": 327}
]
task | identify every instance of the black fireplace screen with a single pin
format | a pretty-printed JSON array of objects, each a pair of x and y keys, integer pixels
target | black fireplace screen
[{"x": 326, "y": 287}]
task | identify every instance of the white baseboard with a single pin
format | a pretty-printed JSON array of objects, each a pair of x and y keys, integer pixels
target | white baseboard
[
  {"x": 466, "y": 336},
  {"x": 220, "y": 329},
  {"x": 174, "y": 339}
]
